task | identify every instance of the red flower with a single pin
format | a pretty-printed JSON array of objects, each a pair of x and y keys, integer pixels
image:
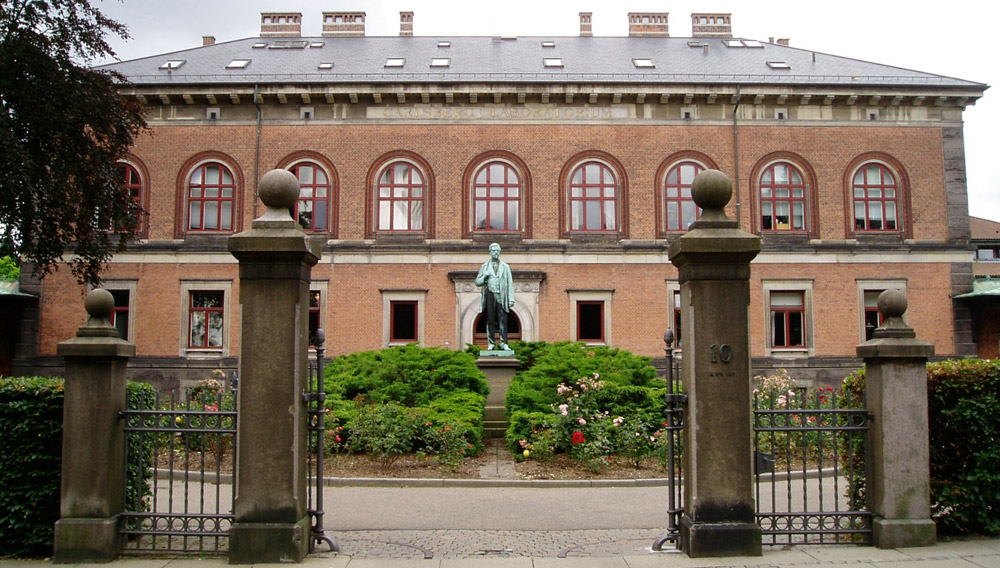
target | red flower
[{"x": 578, "y": 438}]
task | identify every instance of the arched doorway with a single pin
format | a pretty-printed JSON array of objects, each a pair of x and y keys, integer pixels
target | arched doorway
[{"x": 479, "y": 329}]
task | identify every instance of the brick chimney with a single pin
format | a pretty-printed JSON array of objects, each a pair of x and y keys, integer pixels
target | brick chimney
[
  {"x": 585, "y": 27},
  {"x": 711, "y": 25},
  {"x": 648, "y": 24},
  {"x": 406, "y": 24},
  {"x": 783, "y": 41},
  {"x": 207, "y": 40},
  {"x": 343, "y": 24},
  {"x": 280, "y": 24}
]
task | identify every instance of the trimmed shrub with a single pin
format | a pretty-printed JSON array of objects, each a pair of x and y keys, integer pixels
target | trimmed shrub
[
  {"x": 546, "y": 365},
  {"x": 964, "y": 407},
  {"x": 589, "y": 402},
  {"x": 425, "y": 399},
  {"x": 31, "y": 416}
]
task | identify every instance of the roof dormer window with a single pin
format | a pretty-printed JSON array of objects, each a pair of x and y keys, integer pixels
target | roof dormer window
[
  {"x": 173, "y": 64},
  {"x": 238, "y": 64}
]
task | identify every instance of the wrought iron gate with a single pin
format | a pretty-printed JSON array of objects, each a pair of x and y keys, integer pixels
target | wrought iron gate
[
  {"x": 674, "y": 430},
  {"x": 179, "y": 463},
  {"x": 315, "y": 401},
  {"x": 809, "y": 468}
]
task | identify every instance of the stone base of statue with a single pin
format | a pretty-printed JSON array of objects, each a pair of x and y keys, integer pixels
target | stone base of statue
[{"x": 499, "y": 366}]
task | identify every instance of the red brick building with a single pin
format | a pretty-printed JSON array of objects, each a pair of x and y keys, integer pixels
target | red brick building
[{"x": 574, "y": 153}]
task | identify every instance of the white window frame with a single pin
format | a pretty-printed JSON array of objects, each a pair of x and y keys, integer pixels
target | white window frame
[
  {"x": 869, "y": 285},
  {"x": 128, "y": 285},
  {"x": 390, "y": 296},
  {"x": 806, "y": 287},
  {"x": 188, "y": 286},
  {"x": 576, "y": 296}
]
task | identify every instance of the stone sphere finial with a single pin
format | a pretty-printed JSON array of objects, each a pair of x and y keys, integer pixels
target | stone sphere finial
[
  {"x": 99, "y": 303},
  {"x": 279, "y": 190},
  {"x": 892, "y": 303},
  {"x": 712, "y": 190}
]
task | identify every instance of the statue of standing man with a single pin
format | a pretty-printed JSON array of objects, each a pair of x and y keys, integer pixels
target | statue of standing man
[{"x": 497, "y": 296}]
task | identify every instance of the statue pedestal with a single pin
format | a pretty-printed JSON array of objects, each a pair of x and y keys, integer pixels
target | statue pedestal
[{"x": 499, "y": 367}]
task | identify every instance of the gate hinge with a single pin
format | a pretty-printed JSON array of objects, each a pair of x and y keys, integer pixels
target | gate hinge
[{"x": 314, "y": 397}]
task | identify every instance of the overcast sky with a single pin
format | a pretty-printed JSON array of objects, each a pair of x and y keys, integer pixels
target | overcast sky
[{"x": 916, "y": 34}]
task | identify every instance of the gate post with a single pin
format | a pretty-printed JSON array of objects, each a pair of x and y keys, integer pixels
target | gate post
[
  {"x": 93, "y": 442},
  {"x": 898, "y": 452},
  {"x": 275, "y": 256},
  {"x": 713, "y": 263}
]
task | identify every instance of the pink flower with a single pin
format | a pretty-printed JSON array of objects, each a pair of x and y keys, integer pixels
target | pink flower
[
  {"x": 337, "y": 438},
  {"x": 582, "y": 422},
  {"x": 522, "y": 442},
  {"x": 564, "y": 409}
]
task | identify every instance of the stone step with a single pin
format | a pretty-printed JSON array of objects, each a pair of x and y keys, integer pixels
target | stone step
[{"x": 494, "y": 413}]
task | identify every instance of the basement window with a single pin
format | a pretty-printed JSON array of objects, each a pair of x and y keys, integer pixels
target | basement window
[
  {"x": 643, "y": 63},
  {"x": 395, "y": 62},
  {"x": 552, "y": 61},
  {"x": 173, "y": 64},
  {"x": 238, "y": 64}
]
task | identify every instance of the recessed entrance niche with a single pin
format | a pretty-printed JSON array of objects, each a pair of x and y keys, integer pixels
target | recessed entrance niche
[{"x": 522, "y": 321}]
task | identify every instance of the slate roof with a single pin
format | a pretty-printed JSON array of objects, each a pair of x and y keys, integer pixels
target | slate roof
[{"x": 519, "y": 60}]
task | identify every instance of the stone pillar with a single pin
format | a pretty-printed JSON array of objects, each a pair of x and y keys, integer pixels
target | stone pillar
[
  {"x": 898, "y": 454},
  {"x": 713, "y": 263},
  {"x": 276, "y": 258},
  {"x": 93, "y": 450}
]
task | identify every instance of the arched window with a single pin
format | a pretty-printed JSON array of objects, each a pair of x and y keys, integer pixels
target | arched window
[
  {"x": 784, "y": 204},
  {"x": 132, "y": 181},
  {"x": 496, "y": 198},
  {"x": 593, "y": 198},
  {"x": 401, "y": 190},
  {"x": 876, "y": 199},
  {"x": 679, "y": 209},
  {"x": 211, "y": 193},
  {"x": 312, "y": 210}
]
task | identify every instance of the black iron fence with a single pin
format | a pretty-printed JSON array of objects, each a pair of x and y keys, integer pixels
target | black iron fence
[
  {"x": 674, "y": 430},
  {"x": 180, "y": 458},
  {"x": 810, "y": 474}
]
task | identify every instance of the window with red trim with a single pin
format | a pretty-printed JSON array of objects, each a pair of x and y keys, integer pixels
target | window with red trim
[
  {"x": 133, "y": 184},
  {"x": 312, "y": 210},
  {"x": 403, "y": 322},
  {"x": 788, "y": 320},
  {"x": 402, "y": 195},
  {"x": 593, "y": 198},
  {"x": 679, "y": 208},
  {"x": 876, "y": 199},
  {"x": 496, "y": 198},
  {"x": 206, "y": 319},
  {"x": 590, "y": 321},
  {"x": 783, "y": 201},
  {"x": 211, "y": 198}
]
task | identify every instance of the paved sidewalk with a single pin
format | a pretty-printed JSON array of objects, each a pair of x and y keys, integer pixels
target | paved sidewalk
[{"x": 977, "y": 553}]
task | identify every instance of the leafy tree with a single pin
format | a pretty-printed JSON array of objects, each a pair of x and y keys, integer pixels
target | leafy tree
[
  {"x": 63, "y": 128},
  {"x": 9, "y": 268}
]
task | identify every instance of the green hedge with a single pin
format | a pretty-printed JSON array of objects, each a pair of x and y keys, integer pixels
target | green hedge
[
  {"x": 964, "y": 408},
  {"x": 590, "y": 402},
  {"x": 963, "y": 399},
  {"x": 444, "y": 387},
  {"x": 31, "y": 415},
  {"x": 545, "y": 365}
]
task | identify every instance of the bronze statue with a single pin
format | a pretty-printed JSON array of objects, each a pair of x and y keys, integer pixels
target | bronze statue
[{"x": 497, "y": 296}]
